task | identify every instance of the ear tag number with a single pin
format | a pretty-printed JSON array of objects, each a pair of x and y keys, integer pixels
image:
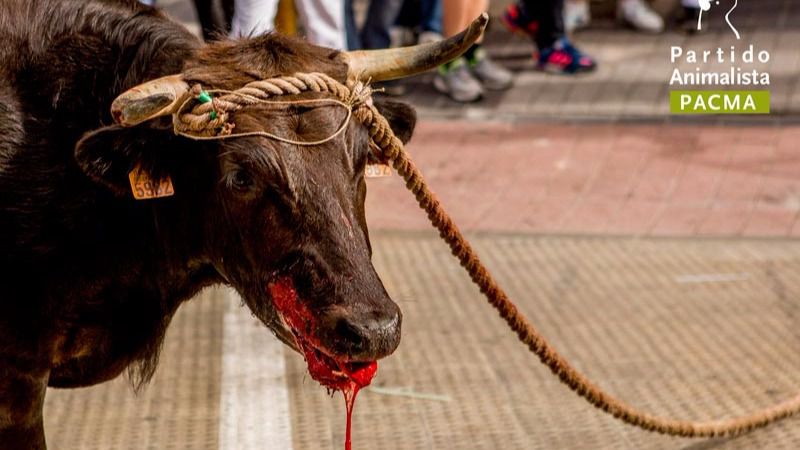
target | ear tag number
[
  {"x": 145, "y": 188},
  {"x": 377, "y": 171}
]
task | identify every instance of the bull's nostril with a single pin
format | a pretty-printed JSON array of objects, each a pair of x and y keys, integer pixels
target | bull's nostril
[{"x": 353, "y": 335}]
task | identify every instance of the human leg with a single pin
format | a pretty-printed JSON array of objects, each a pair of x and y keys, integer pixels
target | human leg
[
  {"x": 211, "y": 19},
  {"x": 324, "y": 22},
  {"x": 543, "y": 21},
  {"x": 253, "y": 17},
  {"x": 465, "y": 78},
  {"x": 353, "y": 36},
  {"x": 431, "y": 16},
  {"x": 381, "y": 15}
]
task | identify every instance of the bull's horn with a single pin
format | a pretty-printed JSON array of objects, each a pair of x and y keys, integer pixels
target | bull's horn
[
  {"x": 149, "y": 100},
  {"x": 389, "y": 64}
]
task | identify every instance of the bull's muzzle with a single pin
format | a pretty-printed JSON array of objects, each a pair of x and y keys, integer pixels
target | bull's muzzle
[{"x": 362, "y": 334}]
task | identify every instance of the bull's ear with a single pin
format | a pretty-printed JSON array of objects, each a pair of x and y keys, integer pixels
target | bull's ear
[
  {"x": 402, "y": 118},
  {"x": 107, "y": 155}
]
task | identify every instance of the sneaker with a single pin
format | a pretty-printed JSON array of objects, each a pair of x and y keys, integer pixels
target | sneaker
[
  {"x": 458, "y": 83},
  {"x": 517, "y": 21},
  {"x": 637, "y": 14},
  {"x": 576, "y": 15},
  {"x": 563, "y": 58},
  {"x": 492, "y": 76}
]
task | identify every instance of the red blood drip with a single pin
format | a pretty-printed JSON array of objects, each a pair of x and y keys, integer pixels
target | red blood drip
[
  {"x": 333, "y": 373},
  {"x": 349, "y": 401},
  {"x": 359, "y": 378}
]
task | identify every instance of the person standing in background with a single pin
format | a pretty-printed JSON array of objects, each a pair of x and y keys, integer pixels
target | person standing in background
[
  {"x": 323, "y": 20},
  {"x": 465, "y": 79},
  {"x": 543, "y": 22}
]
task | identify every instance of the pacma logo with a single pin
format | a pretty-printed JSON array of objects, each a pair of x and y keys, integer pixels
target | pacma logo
[{"x": 705, "y": 5}]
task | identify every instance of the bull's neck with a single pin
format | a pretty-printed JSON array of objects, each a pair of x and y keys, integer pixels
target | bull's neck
[{"x": 177, "y": 262}]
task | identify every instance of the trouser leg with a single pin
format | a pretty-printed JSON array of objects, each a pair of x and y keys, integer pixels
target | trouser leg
[
  {"x": 550, "y": 15},
  {"x": 381, "y": 15},
  {"x": 431, "y": 15},
  {"x": 324, "y": 22},
  {"x": 210, "y": 17},
  {"x": 253, "y": 17}
]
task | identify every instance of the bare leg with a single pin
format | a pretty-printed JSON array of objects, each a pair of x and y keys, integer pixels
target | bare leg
[{"x": 458, "y": 14}]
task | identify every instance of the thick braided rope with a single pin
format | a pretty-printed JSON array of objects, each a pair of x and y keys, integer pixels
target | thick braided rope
[{"x": 392, "y": 150}]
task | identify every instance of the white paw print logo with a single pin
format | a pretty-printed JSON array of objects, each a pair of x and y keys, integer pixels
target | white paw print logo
[{"x": 705, "y": 5}]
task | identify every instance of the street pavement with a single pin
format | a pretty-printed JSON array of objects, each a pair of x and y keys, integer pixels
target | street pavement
[
  {"x": 683, "y": 328},
  {"x": 657, "y": 253}
]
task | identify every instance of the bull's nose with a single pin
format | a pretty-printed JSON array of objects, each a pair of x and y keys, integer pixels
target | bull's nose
[{"x": 363, "y": 336}]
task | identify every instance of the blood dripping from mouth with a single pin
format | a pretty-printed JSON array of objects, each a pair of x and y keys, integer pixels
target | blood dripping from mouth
[{"x": 333, "y": 373}]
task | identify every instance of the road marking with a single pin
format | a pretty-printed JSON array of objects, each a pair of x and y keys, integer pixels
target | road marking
[
  {"x": 712, "y": 278},
  {"x": 254, "y": 406}
]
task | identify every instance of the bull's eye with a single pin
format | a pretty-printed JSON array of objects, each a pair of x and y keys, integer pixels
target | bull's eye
[{"x": 240, "y": 180}]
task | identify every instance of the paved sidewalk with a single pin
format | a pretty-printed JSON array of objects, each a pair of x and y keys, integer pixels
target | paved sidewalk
[{"x": 617, "y": 178}]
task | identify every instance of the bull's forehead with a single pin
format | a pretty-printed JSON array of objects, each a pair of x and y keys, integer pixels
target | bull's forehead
[
  {"x": 276, "y": 155},
  {"x": 301, "y": 119}
]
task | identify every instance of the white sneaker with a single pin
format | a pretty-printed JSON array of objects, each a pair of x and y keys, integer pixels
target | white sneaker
[
  {"x": 458, "y": 83},
  {"x": 576, "y": 15},
  {"x": 639, "y": 15}
]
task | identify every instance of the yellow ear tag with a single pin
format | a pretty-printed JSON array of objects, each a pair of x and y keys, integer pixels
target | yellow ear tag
[
  {"x": 144, "y": 188},
  {"x": 377, "y": 171}
]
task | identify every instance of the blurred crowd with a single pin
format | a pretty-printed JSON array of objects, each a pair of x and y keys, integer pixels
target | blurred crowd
[{"x": 332, "y": 23}]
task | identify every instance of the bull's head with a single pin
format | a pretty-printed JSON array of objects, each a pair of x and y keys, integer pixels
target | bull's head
[{"x": 282, "y": 223}]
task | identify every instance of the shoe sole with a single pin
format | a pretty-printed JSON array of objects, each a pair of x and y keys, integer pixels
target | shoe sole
[
  {"x": 555, "y": 70},
  {"x": 496, "y": 87}
]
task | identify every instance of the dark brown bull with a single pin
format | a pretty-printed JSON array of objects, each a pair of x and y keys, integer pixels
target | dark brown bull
[{"x": 92, "y": 277}]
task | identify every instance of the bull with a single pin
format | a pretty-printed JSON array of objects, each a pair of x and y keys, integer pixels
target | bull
[{"x": 92, "y": 277}]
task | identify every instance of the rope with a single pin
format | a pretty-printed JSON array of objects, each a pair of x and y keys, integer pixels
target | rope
[{"x": 392, "y": 150}]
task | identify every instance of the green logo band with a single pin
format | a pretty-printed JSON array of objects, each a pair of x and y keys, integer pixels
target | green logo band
[{"x": 719, "y": 102}]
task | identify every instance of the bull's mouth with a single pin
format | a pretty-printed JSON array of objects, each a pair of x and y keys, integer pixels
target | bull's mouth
[{"x": 332, "y": 371}]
